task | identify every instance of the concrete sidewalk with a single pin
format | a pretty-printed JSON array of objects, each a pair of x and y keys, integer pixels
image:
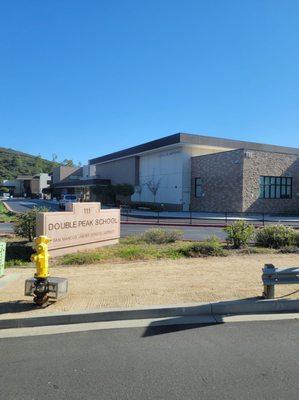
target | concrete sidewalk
[
  {"x": 143, "y": 283},
  {"x": 215, "y": 310}
]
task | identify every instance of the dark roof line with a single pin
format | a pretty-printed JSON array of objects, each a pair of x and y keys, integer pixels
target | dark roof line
[{"x": 187, "y": 138}]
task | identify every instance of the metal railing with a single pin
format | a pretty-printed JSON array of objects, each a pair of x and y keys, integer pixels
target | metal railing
[{"x": 210, "y": 219}]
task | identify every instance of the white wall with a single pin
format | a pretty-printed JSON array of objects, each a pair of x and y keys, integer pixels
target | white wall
[
  {"x": 43, "y": 181},
  {"x": 164, "y": 167},
  {"x": 172, "y": 168}
]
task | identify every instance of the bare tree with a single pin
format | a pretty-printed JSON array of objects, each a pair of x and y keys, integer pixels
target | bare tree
[{"x": 153, "y": 186}]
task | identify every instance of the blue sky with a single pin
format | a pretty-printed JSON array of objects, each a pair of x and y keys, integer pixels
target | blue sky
[{"x": 84, "y": 78}]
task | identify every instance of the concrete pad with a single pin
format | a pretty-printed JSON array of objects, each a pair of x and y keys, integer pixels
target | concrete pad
[
  {"x": 255, "y": 317},
  {"x": 4, "y": 280},
  {"x": 255, "y": 306}
]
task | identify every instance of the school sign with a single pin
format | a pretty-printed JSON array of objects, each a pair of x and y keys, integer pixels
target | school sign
[{"x": 82, "y": 226}]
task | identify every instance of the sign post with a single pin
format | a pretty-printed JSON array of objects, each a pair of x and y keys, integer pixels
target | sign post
[{"x": 2, "y": 257}]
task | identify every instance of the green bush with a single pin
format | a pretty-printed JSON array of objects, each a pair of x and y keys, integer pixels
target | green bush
[
  {"x": 276, "y": 236},
  {"x": 211, "y": 247},
  {"x": 256, "y": 250},
  {"x": 81, "y": 258},
  {"x": 161, "y": 236},
  {"x": 19, "y": 251},
  {"x": 5, "y": 215},
  {"x": 15, "y": 263},
  {"x": 25, "y": 223},
  {"x": 289, "y": 249},
  {"x": 239, "y": 234},
  {"x": 131, "y": 252}
]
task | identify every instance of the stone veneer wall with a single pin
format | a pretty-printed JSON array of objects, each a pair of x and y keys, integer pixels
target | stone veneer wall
[
  {"x": 222, "y": 176},
  {"x": 259, "y": 163}
]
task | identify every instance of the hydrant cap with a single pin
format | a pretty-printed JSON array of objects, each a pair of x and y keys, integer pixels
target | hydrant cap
[{"x": 42, "y": 240}]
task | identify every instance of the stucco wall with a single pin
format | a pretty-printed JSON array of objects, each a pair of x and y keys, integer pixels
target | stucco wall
[
  {"x": 62, "y": 172},
  {"x": 165, "y": 169},
  {"x": 119, "y": 171}
]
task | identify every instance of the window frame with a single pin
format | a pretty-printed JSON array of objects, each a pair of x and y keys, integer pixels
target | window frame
[
  {"x": 196, "y": 186},
  {"x": 272, "y": 187}
]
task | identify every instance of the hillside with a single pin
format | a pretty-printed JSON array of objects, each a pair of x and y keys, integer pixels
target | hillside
[{"x": 13, "y": 163}]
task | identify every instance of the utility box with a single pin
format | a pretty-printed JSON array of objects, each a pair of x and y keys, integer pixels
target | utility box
[
  {"x": 2, "y": 257},
  {"x": 56, "y": 287}
]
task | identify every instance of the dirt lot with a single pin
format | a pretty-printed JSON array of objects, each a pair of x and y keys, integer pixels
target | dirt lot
[{"x": 149, "y": 283}]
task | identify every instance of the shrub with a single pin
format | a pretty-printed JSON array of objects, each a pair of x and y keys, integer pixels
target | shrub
[
  {"x": 289, "y": 249},
  {"x": 131, "y": 252},
  {"x": 18, "y": 251},
  {"x": 211, "y": 247},
  {"x": 256, "y": 250},
  {"x": 239, "y": 234},
  {"x": 25, "y": 223},
  {"x": 276, "y": 236},
  {"x": 161, "y": 236},
  {"x": 5, "y": 215},
  {"x": 81, "y": 258},
  {"x": 15, "y": 263}
]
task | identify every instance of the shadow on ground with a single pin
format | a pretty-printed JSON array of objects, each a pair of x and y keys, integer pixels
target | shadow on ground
[
  {"x": 16, "y": 306},
  {"x": 182, "y": 323},
  {"x": 175, "y": 325}
]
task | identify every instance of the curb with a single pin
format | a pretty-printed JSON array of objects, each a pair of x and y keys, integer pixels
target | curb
[
  {"x": 172, "y": 224},
  {"x": 8, "y": 207},
  {"x": 233, "y": 307}
]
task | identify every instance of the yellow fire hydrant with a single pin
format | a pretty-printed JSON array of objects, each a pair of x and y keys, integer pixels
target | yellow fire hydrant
[{"x": 41, "y": 260}]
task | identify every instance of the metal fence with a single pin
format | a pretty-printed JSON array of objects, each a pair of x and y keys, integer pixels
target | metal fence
[{"x": 193, "y": 219}]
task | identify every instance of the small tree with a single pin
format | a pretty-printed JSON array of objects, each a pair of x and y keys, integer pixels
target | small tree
[
  {"x": 239, "y": 234},
  {"x": 4, "y": 189},
  {"x": 153, "y": 186},
  {"x": 68, "y": 163},
  {"x": 25, "y": 223}
]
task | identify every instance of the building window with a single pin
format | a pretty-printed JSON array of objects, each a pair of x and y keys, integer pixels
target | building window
[
  {"x": 198, "y": 187},
  {"x": 275, "y": 187}
]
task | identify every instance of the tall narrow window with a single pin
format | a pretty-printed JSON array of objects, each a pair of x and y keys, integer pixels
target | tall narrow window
[
  {"x": 275, "y": 187},
  {"x": 198, "y": 187}
]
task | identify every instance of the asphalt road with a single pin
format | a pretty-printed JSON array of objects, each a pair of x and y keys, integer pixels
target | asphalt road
[
  {"x": 24, "y": 205},
  {"x": 242, "y": 361},
  {"x": 189, "y": 232},
  {"x": 6, "y": 227}
]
